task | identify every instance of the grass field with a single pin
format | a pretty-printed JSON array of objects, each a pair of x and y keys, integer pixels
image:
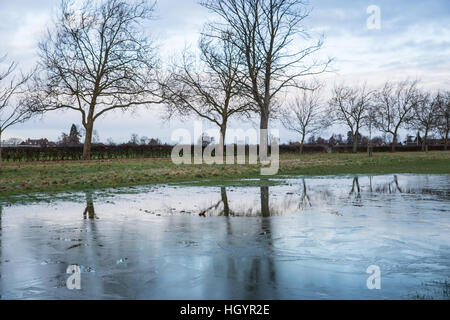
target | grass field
[{"x": 25, "y": 178}]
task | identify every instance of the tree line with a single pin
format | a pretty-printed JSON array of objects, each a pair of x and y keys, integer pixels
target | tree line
[
  {"x": 394, "y": 106},
  {"x": 98, "y": 57}
]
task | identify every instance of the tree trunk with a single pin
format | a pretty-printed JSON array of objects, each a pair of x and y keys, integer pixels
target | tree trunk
[
  {"x": 424, "y": 142},
  {"x": 223, "y": 132},
  {"x": 355, "y": 142},
  {"x": 369, "y": 146},
  {"x": 446, "y": 141},
  {"x": 88, "y": 141},
  {"x": 394, "y": 141},
  {"x": 264, "y": 137},
  {"x": 302, "y": 144}
]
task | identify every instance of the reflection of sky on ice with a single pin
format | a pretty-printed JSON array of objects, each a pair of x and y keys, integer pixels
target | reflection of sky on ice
[{"x": 307, "y": 238}]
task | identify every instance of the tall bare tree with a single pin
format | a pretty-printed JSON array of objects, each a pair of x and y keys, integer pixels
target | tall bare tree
[
  {"x": 442, "y": 101},
  {"x": 350, "y": 106},
  {"x": 97, "y": 59},
  {"x": 13, "y": 110},
  {"x": 210, "y": 89},
  {"x": 369, "y": 123},
  {"x": 425, "y": 116},
  {"x": 265, "y": 32},
  {"x": 304, "y": 115},
  {"x": 394, "y": 105}
]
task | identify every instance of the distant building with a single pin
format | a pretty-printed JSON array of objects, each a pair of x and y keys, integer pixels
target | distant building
[
  {"x": 410, "y": 141},
  {"x": 430, "y": 141},
  {"x": 38, "y": 143},
  {"x": 434, "y": 141}
]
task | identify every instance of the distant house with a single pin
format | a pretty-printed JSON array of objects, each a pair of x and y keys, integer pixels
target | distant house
[
  {"x": 378, "y": 144},
  {"x": 434, "y": 141},
  {"x": 38, "y": 143},
  {"x": 430, "y": 141},
  {"x": 410, "y": 141}
]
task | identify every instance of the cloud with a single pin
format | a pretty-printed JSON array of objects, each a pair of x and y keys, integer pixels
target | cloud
[{"x": 413, "y": 42}]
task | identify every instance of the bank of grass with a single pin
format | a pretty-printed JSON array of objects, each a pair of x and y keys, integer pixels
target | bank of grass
[{"x": 27, "y": 178}]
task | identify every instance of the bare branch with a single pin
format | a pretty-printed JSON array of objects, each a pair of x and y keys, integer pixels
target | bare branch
[
  {"x": 304, "y": 114},
  {"x": 97, "y": 60},
  {"x": 394, "y": 105},
  {"x": 210, "y": 89},
  {"x": 350, "y": 106},
  {"x": 268, "y": 34}
]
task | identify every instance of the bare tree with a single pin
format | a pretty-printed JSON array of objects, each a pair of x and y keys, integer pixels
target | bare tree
[
  {"x": 134, "y": 139},
  {"x": 304, "y": 114},
  {"x": 442, "y": 102},
  {"x": 13, "y": 141},
  {"x": 144, "y": 140},
  {"x": 350, "y": 106},
  {"x": 265, "y": 31},
  {"x": 394, "y": 104},
  {"x": 97, "y": 59},
  {"x": 424, "y": 119},
  {"x": 110, "y": 142},
  {"x": 13, "y": 110},
  {"x": 211, "y": 89},
  {"x": 369, "y": 123}
]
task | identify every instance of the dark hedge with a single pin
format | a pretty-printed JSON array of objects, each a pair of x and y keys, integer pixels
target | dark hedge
[{"x": 100, "y": 152}]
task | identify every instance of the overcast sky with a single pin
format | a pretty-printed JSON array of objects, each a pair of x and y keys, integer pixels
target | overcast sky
[{"x": 413, "y": 41}]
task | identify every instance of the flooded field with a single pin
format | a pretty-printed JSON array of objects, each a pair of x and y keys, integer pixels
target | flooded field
[{"x": 300, "y": 238}]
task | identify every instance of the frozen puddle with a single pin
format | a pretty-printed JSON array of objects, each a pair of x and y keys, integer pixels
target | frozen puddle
[{"x": 311, "y": 238}]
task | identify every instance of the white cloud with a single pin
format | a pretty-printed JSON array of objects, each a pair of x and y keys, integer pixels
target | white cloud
[{"x": 413, "y": 42}]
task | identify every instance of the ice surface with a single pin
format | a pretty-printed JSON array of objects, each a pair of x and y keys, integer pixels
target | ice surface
[{"x": 309, "y": 238}]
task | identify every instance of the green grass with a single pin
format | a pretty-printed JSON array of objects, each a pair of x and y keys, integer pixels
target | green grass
[{"x": 27, "y": 178}]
